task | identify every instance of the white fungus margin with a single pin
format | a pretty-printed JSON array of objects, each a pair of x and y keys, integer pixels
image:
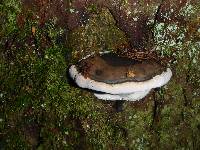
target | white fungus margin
[
  {"x": 120, "y": 88},
  {"x": 130, "y": 97}
]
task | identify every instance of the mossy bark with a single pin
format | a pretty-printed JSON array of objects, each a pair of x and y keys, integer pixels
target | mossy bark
[{"x": 40, "y": 109}]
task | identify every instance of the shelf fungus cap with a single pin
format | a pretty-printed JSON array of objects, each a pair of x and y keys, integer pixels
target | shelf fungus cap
[{"x": 119, "y": 77}]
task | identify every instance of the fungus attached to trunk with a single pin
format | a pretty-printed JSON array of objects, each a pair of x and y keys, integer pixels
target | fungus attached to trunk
[{"x": 112, "y": 77}]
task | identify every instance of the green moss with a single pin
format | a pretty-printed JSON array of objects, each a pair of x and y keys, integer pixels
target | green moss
[
  {"x": 99, "y": 34},
  {"x": 8, "y": 12}
]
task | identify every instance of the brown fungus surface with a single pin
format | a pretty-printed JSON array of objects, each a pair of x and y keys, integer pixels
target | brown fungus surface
[{"x": 111, "y": 68}]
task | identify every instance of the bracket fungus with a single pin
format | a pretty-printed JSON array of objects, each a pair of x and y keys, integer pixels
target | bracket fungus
[{"x": 112, "y": 77}]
